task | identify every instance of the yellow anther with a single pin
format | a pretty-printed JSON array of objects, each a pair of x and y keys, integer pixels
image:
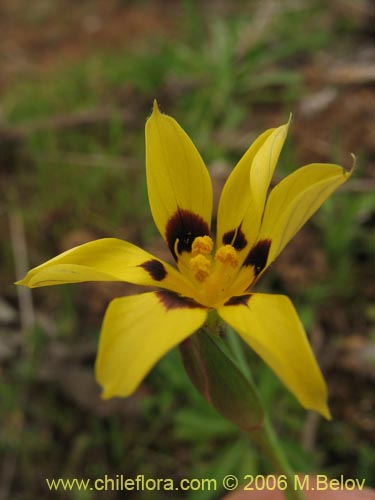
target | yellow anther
[
  {"x": 202, "y": 245},
  {"x": 227, "y": 255},
  {"x": 201, "y": 267}
]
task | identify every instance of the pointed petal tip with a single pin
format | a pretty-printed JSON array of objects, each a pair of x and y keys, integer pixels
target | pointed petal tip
[
  {"x": 155, "y": 107},
  {"x": 282, "y": 130},
  {"x": 106, "y": 394},
  {"x": 22, "y": 282},
  {"x": 354, "y": 164},
  {"x": 347, "y": 171},
  {"x": 326, "y": 413},
  {"x": 321, "y": 408},
  {"x": 156, "y": 113}
]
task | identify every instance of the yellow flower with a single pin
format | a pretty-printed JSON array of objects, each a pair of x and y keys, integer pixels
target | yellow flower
[{"x": 252, "y": 229}]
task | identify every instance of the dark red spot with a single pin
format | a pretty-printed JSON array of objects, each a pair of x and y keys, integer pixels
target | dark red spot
[
  {"x": 238, "y": 301},
  {"x": 236, "y": 238},
  {"x": 258, "y": 255},
  {"x": 155, "y": 269},
  {"x": 184, "y": 226},
  {"x": 171, "y": 300}
]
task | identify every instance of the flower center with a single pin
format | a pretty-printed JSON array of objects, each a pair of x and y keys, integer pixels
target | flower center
[{"x": 212, "y": 275}]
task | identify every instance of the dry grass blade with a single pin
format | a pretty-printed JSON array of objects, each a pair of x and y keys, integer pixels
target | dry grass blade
[{"x": 17, "y": 235}]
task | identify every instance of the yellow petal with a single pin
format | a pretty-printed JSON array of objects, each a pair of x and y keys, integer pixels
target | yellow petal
[
  {"x": 236, "y": 198},
  {"x": 264, "y": 165},
  {"x": 295, "y": 199},
  {"x": 137, "y": 331},
  {"x": 178, "y": 182},
  {"x": 243, "y": 199},
  {"x": 107, "y": 259},
  {"x": 271, "y": 327}
]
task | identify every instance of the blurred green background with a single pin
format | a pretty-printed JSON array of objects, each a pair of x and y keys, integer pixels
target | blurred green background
[{"x": 77, "y": 80}]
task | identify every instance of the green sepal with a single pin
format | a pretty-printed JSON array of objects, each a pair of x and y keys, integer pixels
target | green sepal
[{"x": 218, "y": 378}]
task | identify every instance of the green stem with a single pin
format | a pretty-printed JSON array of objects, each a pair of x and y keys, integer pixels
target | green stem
[
  {"x": 223, "y": 377},
  {"x": 265, "y": 437},
  {"x": 267, "y": 441}
]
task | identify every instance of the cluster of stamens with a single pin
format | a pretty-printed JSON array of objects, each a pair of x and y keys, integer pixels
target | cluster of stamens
[{"x": 201, "y": 261}]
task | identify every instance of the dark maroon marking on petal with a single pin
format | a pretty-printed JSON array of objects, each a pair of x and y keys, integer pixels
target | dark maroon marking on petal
[
  {"x": 236, "y": 238},
  {"x": 171, "y": 300},
  {"x": 155, "y": 269},
  {"x": 258, "y": 255},
  {"x": 241, "y": 300},
  {"x": 184, "y": 226}
]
